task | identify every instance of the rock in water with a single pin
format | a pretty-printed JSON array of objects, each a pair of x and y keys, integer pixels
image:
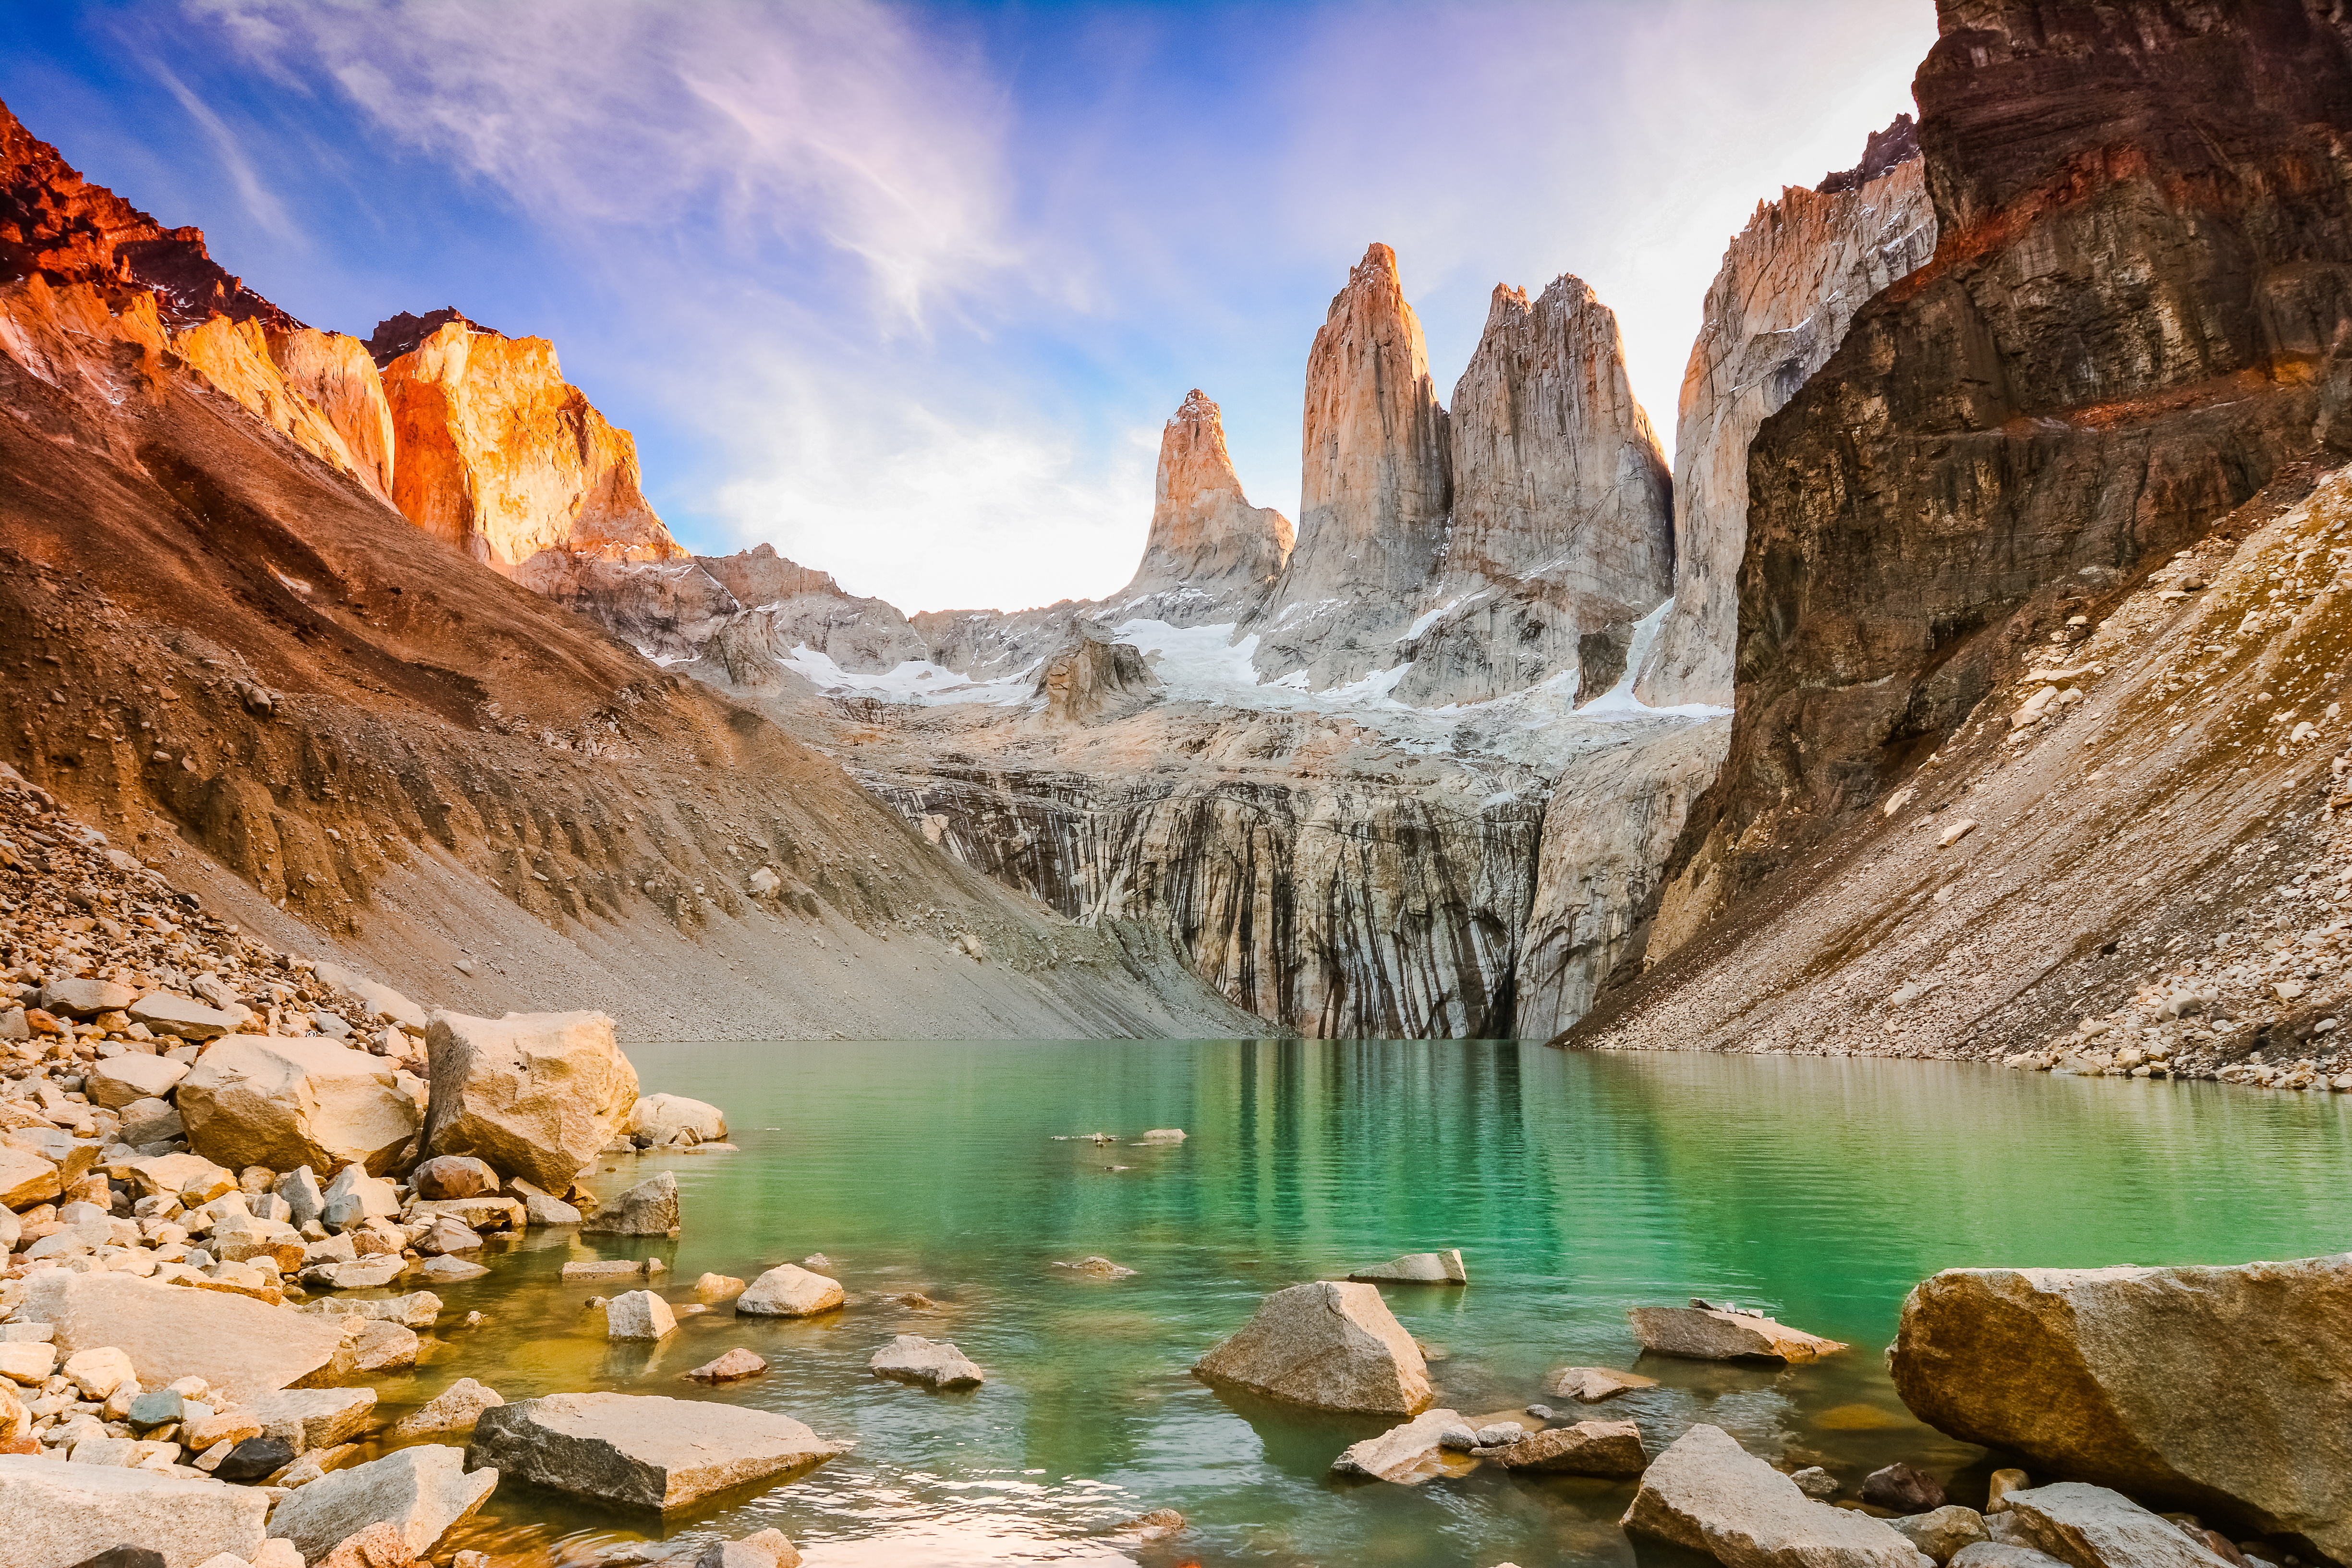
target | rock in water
[
  {"x": 1899, "y": 1489},
  {"x": 421, "y": 1492},
  {"x": 1587, "y": 1448},
  {"x": 59, "y": 1515},
  {"x": 455, "y": 1409},
  {"x": 909, "y": 1358},
  {"x": 1408, "y": 1455},
  {"x": 1709, "y": 1494},
  {"x": 2158, "y": 1382},
  {"x": 536, "y": 1095},
  {"x": 2095, "y": 1528},
  {"x": 1591, "y": 1384},
  {"x": 662, "y": 1117},
  {"x": 256, "y": 1100},
  {"x": 638, "y": 1315},
  {"x": 1209, "y": 555},
  {"x": 1417, "y": 1269},
  {"x": 1328, "y": 1345},
  {"x": 1941, "y": 1532},
  {"x": 642, "y": 1450},
  {"x": 649, "y": 1208},
  {"x": 1711, "y": 1334},
  {"x": 788, "y": 1290},
  {"x": 716, "y": 1288},
  {"x": 733, "y": 1367}
]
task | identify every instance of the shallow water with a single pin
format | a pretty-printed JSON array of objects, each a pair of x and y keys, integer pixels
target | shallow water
[{"x": 1576, "y": 1185}]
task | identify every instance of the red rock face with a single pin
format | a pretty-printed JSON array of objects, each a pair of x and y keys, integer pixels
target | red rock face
[
  {"x": 58, "y": 225},
  {"x": 2144, "y": 251}
]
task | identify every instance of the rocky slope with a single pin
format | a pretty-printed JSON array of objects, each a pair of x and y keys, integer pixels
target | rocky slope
[
  {"x": 2121, "y": 351},
  {"x": 1780, "y": 305},
  {"x": 342, "y": 735}
]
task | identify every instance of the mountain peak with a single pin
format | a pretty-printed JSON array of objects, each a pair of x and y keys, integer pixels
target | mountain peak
[{"x": 396, "y": 335}]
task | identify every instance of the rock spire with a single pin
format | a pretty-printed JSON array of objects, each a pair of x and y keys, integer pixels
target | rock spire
[{"x": 1208, "y": 546}]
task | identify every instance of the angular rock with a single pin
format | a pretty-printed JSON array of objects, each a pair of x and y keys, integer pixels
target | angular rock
[
  {"x": 61, "y": 1515},
  {"x": 640, "y": 1450},
  {"x": 1418, "y": 1268},
  {"x": 649, "y": 1208},
  {"x": 662, "y": 1117},
  {"x": 27, "y": 1363},
  {"x": 1587, "y": 1448},
  {"x": 453, "y": 1177},
  {"x": 417, "y": 1309},
  {"x": 256, "y": 1459},
  {"x": 164, "y": 1014},
  {"x": 240, "y": 1347},
  {"x": 1711, "y": 1496},
  {"x": 1707, "y": 1334},
  {"x": 223, "y": 1428},
  {"x": 356, "y": 1274},
  {"x": 1899, "y": 1489},
  {"x": 86, "y": 998},
  {"x": 1942, "y": 1532},
  {"x": 116, "y": 1082},
  {"x": 380, "y": 1545},
  {"x": 483, "y": 1214},
  {"x": 1591, "y": 1384},
  {"x": 146, "y": 1122},
  {"x": 933, "y": 1364},
  {"x": 733, "y": 1367},
  {"x": 1327, "y": 1345},
  {"x": 450, "y": 1270},
  {"x": 535, "y": 1095},
  {"x": 768, "y": 1549},
  {"x": 421, "y": 1491},
  {"x": 304, "y": 1202},
  {"x": 98, "y": 1371},
  {"x": 2158, "y": 1382},
  {"x": 455, "y": 1409},
  {"x": 2092, "y": 1527},
  {"x": 442, "y": 1235},
  {"x": 254, "y": 1099},
  {"x": 378, "y": 1347},
  {"x": 540, "y": 1209},
  {"x": 2004, "y": 1555},
  {"x": 605, "y": 1269},
  {"x": 638, "y": 1315},
  {"x": 382, "y": 1002},
  {"x": 788, "y": 1290},
  {"x": 28, "y": 1178},
  {"x": 191, "y": 1178},
  {"x": 311, "y": 1419},
  {"x": 716, "y": 1288},
  {"x": 1408, "y": 1455}
]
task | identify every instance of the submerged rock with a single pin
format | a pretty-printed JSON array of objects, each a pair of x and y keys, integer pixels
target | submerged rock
[
  {"x": 649, "y": 1208},
  {"x": 733, "y": 1367},
  {"x": 1417, "y": 1269},
  {"x": 1409, "y": 1453},
  {"x": 788, "y": 1290},
  {"x": 1587, "y": 1448},
  {"x": 1899, "y": 1489},
  {"x": 1717, "y": 1333},
  {"x": 1591, "y": 1384},
  {"x": 2159, "y": 1381},
  {"x": 1709, "y": 1494},
  {"x": 909, "y": 1358},
  {"x": 642, "y": 1450},
  {"x": 1328, "y": 1345}
]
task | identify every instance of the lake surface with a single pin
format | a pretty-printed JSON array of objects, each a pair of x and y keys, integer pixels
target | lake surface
[{"x": 1576, "y": 1186}]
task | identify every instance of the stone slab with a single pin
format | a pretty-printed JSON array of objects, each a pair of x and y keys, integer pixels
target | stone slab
[
  {"x": 239, "y": 1346},
  {"x": 62, "y": 1514},
  {"x": 642, "y": 1450}
]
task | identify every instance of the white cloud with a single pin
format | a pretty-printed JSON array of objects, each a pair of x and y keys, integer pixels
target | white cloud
[{"x": 261, "y": 202}]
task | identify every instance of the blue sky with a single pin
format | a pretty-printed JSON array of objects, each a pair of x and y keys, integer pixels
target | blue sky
[{"x": 908, "y": 290}]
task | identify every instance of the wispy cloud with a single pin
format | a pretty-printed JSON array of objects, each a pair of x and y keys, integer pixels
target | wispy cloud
[{"x": 261, "y": 202}]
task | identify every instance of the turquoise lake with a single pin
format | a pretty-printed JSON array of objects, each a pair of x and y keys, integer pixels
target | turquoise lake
[{"x": 1575, "y": 1185}]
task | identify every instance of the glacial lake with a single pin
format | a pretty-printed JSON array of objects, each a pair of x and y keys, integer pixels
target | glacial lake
[{"x": 1575, "y": 1185}]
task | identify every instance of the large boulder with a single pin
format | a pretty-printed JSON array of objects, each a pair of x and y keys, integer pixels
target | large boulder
[
  {"x": 166, "y": 1014},
  {"x": 118, "y": 1081},
  {"x": 2222, "y": 1388},
  {"x": 28, "y": 1177},
  {"x": 2092, "y": 1527},
  {"x": 1326, "y": 1345},
  {"x": 649, "y": 1208},
  {"x": 191, "y": 1178},
  {"x": 257, "y": 1099},
  {"x": 420, "y": 1491},
  {"x": 1709, "y": 1494},
  {"x": 1718, "y": 1333},
  {"x": 86, "y": 998},
  {"x": 58, "y": 1516},
  {"x": 308, "y": 1419},
  {"x": 662, "y": 1117},
  {"x": 536, "y": 1095},
  {"x": 240, "y": 1347},
  {"x": 642, "y": 1450},
  {"x": 789, "y": 1290}
]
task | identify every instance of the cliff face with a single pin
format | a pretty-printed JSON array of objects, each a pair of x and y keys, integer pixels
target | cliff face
[
  {"x": 1211, "y": 556},
  {"x": 503, "y": 460},
  {"x": 320, "y": 388},
  {"x": 1780, "y": 305}
]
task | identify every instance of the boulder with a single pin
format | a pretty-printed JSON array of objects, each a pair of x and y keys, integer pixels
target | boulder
[
  {"x": 116, "y": 1082},
  {"x": 27, "y": 1363},
  {"x": 304, "y": 1200},
  {"x": 241, "y": 1347},
  {"x": 1942, "y": 1532},
  {"x": 61, "y": 1515},
  {"x": 453, "y": 1177},
  {"x": 1327, "y": 1345},
  {"x": 148, "y": 1123},
  {"x": 733, "y": 1367},
  {"x": 788, "y": 1290},
  {"x": 662, "y": 1117},
  {"x": 356, "y": 1273},
  {"x": 540, "y": 1209},
  {"x": 1418, "y": 1268},
  {"x": 421, "y": 1491},
  {"x": 641, "y": 1449},
  {"x": 98, "y": 1371},
  {"x": 380, "y": 1545},
  {"x": 449, "y": 1270},
  {"x": 255, "y": 1099},
  {"x": 442, "y": 1235},
  {"x": 1709, "y": 1495},
  {"x": 1899, "y": 1489},
  {"x": 2223, "y": 1385},
  {"x": 638, "y": 1315},
  {"x": 488, "y": 1212},
  {"x": 354, "y": 1197},
  {"x": 1714, "y": 1333},
  {"x": 382, "y": 1002},
  {"x": 605, "y": 1269},
  {"x": 255, "y": 1458},
  {"x": 933, "y": 1364},
  {"x": 191, "y": 1178},
  {"x": 768, "y": 1549},
  {"x": 536, "y": 1095},
  {"x": 1408, "y": 1455},
  {"x": 377, "y": 1347},
  {"x": 2004, "y": 1554},
  {"x": 311, "y": 1419},
  {"x": 1098, "y": 1268},
  {"x": 455, "y": 1409},
  {"x": 417, "y": 1309},
  {"x": 1587, "y": 1448},
  {"x": 165, "y": 1014},
  {"x": 28, "y": 1178},
  {"x": 2092, "y": 1527},
  {"x": 649, "y": 1208},
  {"x": 714, "y": 1288},
  {"x": 1591, "y": 1384},
  {"x": 86, "y": 998}
]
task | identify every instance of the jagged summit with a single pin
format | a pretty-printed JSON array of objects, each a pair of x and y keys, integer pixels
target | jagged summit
[
  {"x": 1207, "y": 543},
  {"x": 55, "y": 223},
  {"x": 397, "y": 335},
  {"x": 1898, "y": 144}
]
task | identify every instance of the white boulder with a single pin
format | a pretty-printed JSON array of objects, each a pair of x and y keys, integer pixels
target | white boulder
[
  {"x": 662, "y": 1117},
  {"x": 116, "y": 1082},
  {"x": 1709, "y": 1495},
  {"x": 638, "y": 1315},
  {"x": 909, "y": 1358},
  {"x": 788, "y": 1290},
  {"x": 255, "y": 1099}
]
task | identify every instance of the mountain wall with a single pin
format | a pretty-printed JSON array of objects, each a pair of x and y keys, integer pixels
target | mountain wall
[
  {"x": 1210, "y": 554},
  {"x": 1778, "y": 307}
]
